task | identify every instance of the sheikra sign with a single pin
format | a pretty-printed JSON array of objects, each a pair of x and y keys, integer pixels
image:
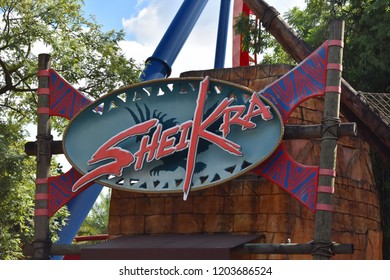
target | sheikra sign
[{"x": 172, "y": 135}]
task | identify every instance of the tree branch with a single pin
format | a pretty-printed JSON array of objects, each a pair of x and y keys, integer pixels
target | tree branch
[
  {"x": 22, "y": 113},
  {"x": 7, "y": 78}
]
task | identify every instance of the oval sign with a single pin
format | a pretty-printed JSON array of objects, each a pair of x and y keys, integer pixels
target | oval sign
[{"x": 172, "y": 135}]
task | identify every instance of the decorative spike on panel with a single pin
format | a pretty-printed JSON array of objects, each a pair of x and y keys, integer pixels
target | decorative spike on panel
[
  {"x": 301, "y": 181},
  {"x": 60, "y": 189},
  {"x": 305, "y": 81},
  {"x": 65, "y": 100}
]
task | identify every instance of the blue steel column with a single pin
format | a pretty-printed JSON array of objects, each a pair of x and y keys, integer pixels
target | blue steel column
[
  {"x": 223, "y": 27},
  {"x": 159, "y": 64}
]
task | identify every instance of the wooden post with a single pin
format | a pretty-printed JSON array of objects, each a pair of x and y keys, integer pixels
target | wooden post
[
  {"x": 330, "y": 122},
  {"x": 43, "y": 156}
]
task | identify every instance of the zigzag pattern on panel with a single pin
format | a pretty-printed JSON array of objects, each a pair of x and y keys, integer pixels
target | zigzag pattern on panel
[
  {"x": 303, "y": 82},
  {"x": 65, "y": 100},
  {"x": 60, "y": 189}
]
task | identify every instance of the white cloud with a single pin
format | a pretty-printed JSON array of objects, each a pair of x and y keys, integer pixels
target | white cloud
[
  {"x": 144, "y": 26},
  {"x": 136, "y": 50},
  {"x": 41, "y": 47}
]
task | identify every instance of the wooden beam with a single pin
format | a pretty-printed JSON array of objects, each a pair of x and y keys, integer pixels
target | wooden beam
[
  {"x": 290, "y": 132},
  {"x": 290, "y": 248},
  {"x": 58, "y": 249},
  {"x": 30, "y": 148},
  {"x": 249, "y": 248},
  {"x": 283, "y": 33}
]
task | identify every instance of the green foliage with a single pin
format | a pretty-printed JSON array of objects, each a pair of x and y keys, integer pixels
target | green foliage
[
  {"x": 97, "y": 219},
  {"x": 367, "y": 33},
  {"x": 16, "y": 192},
  {"x": 257, "y": 40},
  {"x": 276, "y": 55},
  {"x": 308, "y": 25},
  {"x": 367, "y": 58},
  {"x": 252, "y": 40},
  {"x": 81, "y": 52}
]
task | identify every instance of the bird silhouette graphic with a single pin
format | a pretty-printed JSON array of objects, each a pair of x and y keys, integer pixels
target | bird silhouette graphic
[{"x": 179, "y": 158}]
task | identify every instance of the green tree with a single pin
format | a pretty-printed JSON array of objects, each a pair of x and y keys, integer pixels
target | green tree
[
  {"x": 256, "y": 40},
  {"x": 16, "y": 192},
  {"x": 97, "y": 220},
  {"x": 367, "y": 33},
  {"x": 83, "y": 54}
]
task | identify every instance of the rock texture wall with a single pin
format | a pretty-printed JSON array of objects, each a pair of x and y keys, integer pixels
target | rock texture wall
[{"x": 253, "y": 205}]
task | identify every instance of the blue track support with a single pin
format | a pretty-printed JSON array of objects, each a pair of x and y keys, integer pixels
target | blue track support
[
  {"x": 160, "y": 63},
  {"x": 223, "y": 27}
]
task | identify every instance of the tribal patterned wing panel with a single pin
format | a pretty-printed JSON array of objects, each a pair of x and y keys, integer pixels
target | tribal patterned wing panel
[
  {"x": 299, "y": 180},
  {"x": 60, "y": 190},
  {"x": 305, "y": 81},
  {"x": 65, "y": 101}
]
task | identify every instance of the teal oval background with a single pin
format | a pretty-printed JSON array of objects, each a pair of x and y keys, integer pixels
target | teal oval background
[{"x": 173, "y": 102}]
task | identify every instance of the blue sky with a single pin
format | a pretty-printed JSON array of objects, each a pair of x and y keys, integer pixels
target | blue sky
[
  {"x": 110, "y": 13},
  {"x": 145, "y": 22}
]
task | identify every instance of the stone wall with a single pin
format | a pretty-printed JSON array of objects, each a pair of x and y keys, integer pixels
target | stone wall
[{"x": 252, "y": 205}]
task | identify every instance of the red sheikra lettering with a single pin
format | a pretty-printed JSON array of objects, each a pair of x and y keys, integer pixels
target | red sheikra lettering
[
  {"x": 121, "y": 157},
  {"x": 162, "y": 142}
]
